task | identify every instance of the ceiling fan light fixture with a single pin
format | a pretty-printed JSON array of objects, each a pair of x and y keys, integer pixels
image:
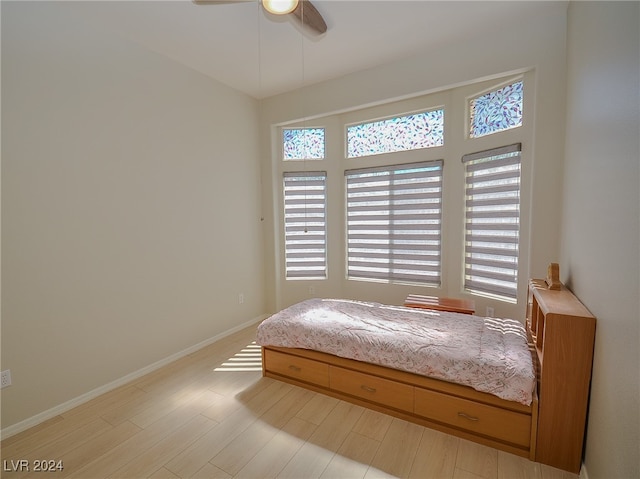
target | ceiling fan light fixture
[{"x": 280, "y": 7}]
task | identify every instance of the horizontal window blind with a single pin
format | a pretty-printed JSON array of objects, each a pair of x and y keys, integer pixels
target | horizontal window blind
[
  {"x": 305, "y": 225},
  {"x": 492, "y": 221},
  {"x": 394, "y": 217}
]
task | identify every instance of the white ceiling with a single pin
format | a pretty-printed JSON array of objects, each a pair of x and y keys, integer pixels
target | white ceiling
[{"x": 262, "y": 55}]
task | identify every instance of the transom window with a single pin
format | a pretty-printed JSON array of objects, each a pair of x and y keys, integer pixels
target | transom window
[
  {"x": 303, "y": 143},
  {"x": 410, "y": 132},
  {"x": 496, "y": 111},
  {"x": 394, "y": 217}
]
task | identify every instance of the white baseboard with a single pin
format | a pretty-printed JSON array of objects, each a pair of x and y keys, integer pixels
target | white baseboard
[
  {"x": 583, "y": 472},
  {"x": 68, "y": 405}
]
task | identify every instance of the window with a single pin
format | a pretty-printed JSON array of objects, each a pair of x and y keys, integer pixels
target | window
[
  {"x": 422, "y": 130},
  {"x": 305, "y": 225},
  {"x": 496, "y": 111},
  {"x": 303, "y": 143},
  {"x": 492, "y": 222},
  {"x": 398, "y": 220},
  {"x": 394, "y": 217}
]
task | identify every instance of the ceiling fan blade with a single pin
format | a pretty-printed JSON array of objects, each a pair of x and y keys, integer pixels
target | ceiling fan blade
[
  {"x": 306, "y": 13},
  {"x": 310, "y": 16}
]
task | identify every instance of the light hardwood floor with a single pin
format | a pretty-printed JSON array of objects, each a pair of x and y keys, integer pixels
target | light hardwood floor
[{"x": 212, "y": 415}]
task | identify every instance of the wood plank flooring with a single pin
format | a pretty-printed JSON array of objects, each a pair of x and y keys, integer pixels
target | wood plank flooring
[{"x": 212, "y": 415}]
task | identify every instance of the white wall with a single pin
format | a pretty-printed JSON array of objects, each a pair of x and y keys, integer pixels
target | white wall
[
  {"x": 130, "y": 208},
  {"x": 516, "y": 48},
  {"x": 601, "y": 220}
]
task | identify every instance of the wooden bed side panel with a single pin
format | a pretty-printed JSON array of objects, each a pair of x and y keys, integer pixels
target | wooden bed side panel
[
  {"x": 564, "y": 390},
  {"x": 406, "y": 377}
]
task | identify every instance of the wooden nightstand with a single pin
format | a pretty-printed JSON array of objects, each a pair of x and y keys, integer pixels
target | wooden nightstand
[{"x": 454, "y": 305}]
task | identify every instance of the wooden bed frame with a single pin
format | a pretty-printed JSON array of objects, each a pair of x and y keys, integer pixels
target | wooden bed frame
[{"x": 550, "y": 430}]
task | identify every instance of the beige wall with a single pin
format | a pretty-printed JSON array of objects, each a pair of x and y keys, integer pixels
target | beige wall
[
  {"x": 601, "y": 213},
  {"x": 130, "y": 209},
  {"x": 511, "y": 50}
]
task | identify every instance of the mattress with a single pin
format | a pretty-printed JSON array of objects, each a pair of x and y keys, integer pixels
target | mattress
[{"x": 488, "y": 354}]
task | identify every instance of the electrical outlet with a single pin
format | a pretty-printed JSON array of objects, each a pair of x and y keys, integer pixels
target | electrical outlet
[
  {"x": 312, "y": 290},
  {"x": 241, "y": 298},
  {"x": 5, "y": 378},
  {"x": 490, "y": 312}
]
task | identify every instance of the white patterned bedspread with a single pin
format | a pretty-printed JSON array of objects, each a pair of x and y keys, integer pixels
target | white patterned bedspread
[{"x": 490, "y": 355}]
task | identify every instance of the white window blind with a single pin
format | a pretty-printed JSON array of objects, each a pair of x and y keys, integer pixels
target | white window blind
[
  {"x": 394, "y": 217},
  {"x": 492, "y": 221},
  {"x": 305, "y": 225}
]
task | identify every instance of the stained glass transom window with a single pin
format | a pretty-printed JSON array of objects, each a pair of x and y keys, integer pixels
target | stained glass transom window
[
  {"x": 411, "y": 132},
  {"x": 303, "y": 143},
  {"x": 496, "y": 111}
]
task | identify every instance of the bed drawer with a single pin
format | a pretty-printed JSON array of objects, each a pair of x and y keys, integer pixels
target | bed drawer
[
  {"x": 494, "y": 422},
  {"x": 298, "y": 368},
  {"x": 372, "y": 388}
]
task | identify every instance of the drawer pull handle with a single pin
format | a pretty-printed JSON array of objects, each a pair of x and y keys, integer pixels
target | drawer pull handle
[
  {"x": 466, "y": 416},
  {"x": 368, "y": 389},
  {"x": 295, "y": 368}
]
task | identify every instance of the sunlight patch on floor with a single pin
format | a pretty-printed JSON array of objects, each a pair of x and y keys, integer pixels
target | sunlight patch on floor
[{"x": 247, "y": 359}]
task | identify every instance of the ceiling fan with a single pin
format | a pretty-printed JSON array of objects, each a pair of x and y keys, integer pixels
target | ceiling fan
[{"x": 303, "y": 10}]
